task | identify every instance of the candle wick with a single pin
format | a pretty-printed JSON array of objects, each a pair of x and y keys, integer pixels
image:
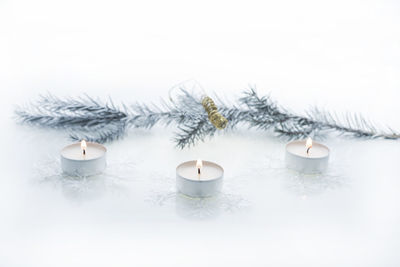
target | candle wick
[
  {"x": 198, "y": 171},
  {"x": 308, "y": 150},
  {"x": 84, "y": 152}
]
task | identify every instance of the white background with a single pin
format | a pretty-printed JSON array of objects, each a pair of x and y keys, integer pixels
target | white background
[{"x": 340, "y": 55}]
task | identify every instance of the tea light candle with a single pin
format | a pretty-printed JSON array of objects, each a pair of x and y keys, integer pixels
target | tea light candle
[
  {"x": 83, "y": 159},
  {"x": 307, "y": 156},
  {"x": 199, "y": 178}
]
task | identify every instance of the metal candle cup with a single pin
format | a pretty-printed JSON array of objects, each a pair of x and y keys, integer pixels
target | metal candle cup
[
  {"x": 194, "y": 183},
  {"x": 83, "y": 159},
  {"x": 307, "y": 159}
]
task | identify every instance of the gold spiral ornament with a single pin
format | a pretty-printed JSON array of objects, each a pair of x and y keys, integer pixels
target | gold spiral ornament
[{"x": 214, "y": 116}]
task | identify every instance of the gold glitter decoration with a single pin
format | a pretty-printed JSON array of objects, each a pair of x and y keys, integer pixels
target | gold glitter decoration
[{"x": 214, "y": 116}]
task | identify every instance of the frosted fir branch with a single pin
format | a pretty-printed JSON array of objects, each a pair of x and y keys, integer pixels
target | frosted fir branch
[
  {"x": 266, "y": 114},
  {"x": 351, "y": 125},
  {"x": 94, "y": 120},
  {"x": 102, "y": 135},
  {"x": 52, "y": 112}
]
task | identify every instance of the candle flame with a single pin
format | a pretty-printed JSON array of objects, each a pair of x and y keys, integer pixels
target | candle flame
[
  {"x": 308, "y": 144},
  {"x": 83, "y": 147},
  {"x": 199, "y": 165}
]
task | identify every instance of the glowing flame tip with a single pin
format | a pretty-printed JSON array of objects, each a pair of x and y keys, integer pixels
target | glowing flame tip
[
  {"x": 83, "y": 147},
  {"x": 199, "y": 164},
  {"x": 308, "y": 144}
]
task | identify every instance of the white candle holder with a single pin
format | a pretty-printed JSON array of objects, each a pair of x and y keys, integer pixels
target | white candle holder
[
  {"x": 297, "y": 158},
  {"x": 191, "y": 183},
  {"x": 75, "y": 163}
]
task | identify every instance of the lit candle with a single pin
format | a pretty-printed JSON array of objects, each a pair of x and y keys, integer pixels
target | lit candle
[
  {"x": 307, "y": 156},
  {"x": 199, "y": 178},
  {"x": 83, "y": 147},
  {"x": 83, "y": 159},
  {"x": 199, "y": 164}
]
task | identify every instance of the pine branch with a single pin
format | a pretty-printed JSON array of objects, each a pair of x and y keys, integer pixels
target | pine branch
[
  {"x": 265, "y": 114},
  {"x": 102, "y": 135},
  {"x": 81, "y": 113},
  {"x": 93, "y": 120},
  {"x": 191, "y": 134}
]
